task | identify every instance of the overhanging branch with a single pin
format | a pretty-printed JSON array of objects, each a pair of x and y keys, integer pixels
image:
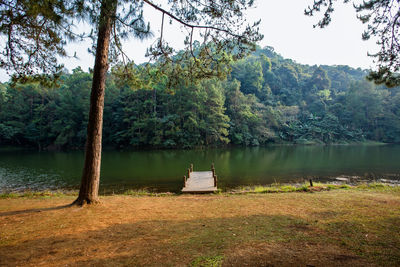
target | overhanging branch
[{"x": 187, "y": 24}]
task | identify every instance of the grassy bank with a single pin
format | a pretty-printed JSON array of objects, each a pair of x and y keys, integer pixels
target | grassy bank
[
  {"x": 258, "y": 189},
  {"x": 352, "y": 226}
]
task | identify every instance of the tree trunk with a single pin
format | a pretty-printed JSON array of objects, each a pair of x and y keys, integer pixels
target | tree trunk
[{"x": 88, "y": 192}]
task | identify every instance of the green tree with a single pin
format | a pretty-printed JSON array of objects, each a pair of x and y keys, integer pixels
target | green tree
[
  {"x": 69, "y": 128},
  {"x": 248, "y": 124},
  {"x": 215, "y": 121},
  {"x": 249, "y": 73}
]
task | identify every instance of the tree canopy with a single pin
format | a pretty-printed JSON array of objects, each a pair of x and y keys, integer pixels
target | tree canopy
[
  {"x": 36, "y": 32},
  {"x": 383, "y": 21}
]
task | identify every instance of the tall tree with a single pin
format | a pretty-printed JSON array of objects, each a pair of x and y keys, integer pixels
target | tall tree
[
  {"x": 36, "y": 32},
  {"x": 91, "y": 169}
]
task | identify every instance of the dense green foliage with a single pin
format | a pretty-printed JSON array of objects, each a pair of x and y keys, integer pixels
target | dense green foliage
[{"x": 266, "y": 99}]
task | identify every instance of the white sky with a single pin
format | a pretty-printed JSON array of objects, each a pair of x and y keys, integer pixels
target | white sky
[{"x": 285, "y": 27}]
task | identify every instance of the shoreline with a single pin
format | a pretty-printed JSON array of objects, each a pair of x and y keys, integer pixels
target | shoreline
[
  {"x": 254, "y": 189},
  {"x": 11, "y": 148}
]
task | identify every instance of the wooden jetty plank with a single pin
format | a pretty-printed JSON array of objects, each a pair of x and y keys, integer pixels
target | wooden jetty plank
[{"x": 200, "y": 182}]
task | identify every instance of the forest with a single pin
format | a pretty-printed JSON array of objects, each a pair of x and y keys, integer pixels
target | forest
[{"x": 263, "y": 99}]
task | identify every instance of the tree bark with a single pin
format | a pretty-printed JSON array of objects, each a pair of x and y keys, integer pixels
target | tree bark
[{"x": 88, "y": 192}]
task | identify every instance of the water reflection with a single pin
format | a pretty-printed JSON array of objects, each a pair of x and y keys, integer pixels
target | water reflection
[{"x": 163, "y": 169}]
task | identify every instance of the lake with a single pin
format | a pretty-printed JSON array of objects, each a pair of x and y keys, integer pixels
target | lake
[{"x": 162, "y": 170}]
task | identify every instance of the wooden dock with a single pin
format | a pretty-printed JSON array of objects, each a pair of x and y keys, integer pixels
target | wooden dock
[{"x": 200, "y": 182}]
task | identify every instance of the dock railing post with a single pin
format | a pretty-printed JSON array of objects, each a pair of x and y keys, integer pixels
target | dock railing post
[
  {"x": 184, "y": 180},
  {"x": 214, "y": 175},
  {"x": 188, "y": 174},
  {"x": 191, "y": 167}
]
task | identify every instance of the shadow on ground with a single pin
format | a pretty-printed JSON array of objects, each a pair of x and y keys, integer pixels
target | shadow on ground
[
  {"x": 17, "y": 212},
  {"x": 256, "y": 240}
]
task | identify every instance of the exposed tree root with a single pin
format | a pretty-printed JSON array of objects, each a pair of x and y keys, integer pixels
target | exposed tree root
[{"x": 85, "y": 201}]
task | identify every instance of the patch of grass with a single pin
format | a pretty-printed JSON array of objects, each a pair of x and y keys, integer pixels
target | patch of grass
[
  {"x": 288, "y": 188},
  {"x": 285, "y": 188},
  {"x": 377, "y": 187},
  {"x": 9, "y": 195},
  {"x": 263, "y": 189},
  {"x": 145, "y": 192},
  {"x": 337, "y": 186},
  {"x": 218, "y": 192},
  {"x": 274, "y": 188},
  {"x": 303, "y": 188},
  {"x": 140, "y": 192},
  {"x": 35, "y": 194},
  {"x": 332, "y": 186},
  {"x": 215, "y": 261}
]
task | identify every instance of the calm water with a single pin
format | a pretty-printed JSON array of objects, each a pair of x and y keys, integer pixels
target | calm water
[{"x": 163, "y": 170}]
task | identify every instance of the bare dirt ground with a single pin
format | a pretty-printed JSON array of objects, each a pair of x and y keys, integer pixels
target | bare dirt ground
[{"x": 336, "y": 228}]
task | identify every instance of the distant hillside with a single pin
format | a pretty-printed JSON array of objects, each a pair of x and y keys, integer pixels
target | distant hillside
[{"x": 265, "y": 99}]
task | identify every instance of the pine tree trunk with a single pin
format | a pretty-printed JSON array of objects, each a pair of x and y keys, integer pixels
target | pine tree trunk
[{"x": 89, "y": 189}]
